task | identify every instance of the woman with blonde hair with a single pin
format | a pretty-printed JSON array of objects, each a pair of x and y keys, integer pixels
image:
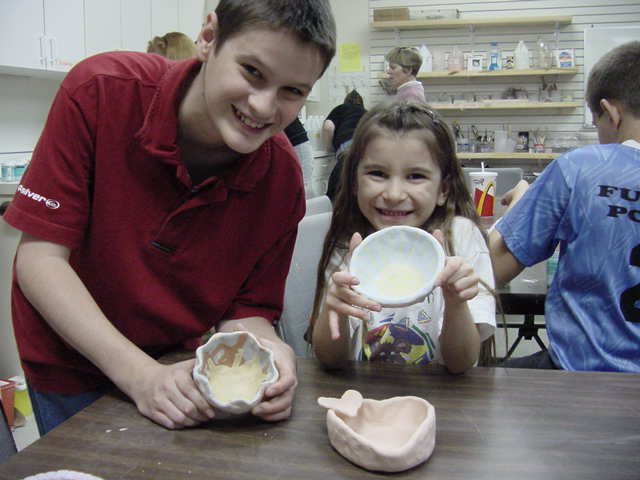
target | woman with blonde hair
[{"x": 403, "y": 66}]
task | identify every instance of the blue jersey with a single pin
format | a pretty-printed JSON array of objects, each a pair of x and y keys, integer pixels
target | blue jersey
[{"x": 588, "y": 202}]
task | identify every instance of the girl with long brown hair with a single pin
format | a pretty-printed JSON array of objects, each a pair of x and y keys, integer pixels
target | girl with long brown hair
[{"x": 401, "y": 169}]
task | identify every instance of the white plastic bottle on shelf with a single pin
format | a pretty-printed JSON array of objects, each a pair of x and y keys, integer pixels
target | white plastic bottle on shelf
[
  {"x": 427, "y": 59},
  {"x": 543, "y": 55},
  {"x": 494, "y": 57},
  {"x": 522, "y": 56}
]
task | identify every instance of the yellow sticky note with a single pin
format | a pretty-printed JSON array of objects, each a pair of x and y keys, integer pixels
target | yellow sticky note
[
  {"x": 349, "y": 59},
  {"x": 23, "y": 403}
]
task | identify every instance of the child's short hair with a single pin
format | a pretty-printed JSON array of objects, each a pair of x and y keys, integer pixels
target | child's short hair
[
  {"x": 406, "y": 57},
  {"x": 173, "y": 45},
  {"x": 616, "y": 76},
  {"x": 311, "y": 21}
]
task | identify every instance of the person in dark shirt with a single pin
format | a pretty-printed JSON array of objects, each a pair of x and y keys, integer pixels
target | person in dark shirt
[
  {"x": 337, "y": 130},
  {"x": 298, "y": 137}
]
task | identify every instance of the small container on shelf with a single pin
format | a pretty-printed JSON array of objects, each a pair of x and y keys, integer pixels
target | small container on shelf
[
  {"x": 19, "y": 166},
  {"x": 7, "y": 170},
  {"x": 495, "y": 60}
]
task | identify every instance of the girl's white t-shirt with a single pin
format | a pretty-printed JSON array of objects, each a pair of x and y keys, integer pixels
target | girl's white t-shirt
[{"x": 411, "y": 334}]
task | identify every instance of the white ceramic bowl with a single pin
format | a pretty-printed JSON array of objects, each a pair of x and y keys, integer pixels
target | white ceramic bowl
[
  {"x": 62, "y": 475},
  {"x": 397, "y": 266},
  {"x": 233, "y": 349}
]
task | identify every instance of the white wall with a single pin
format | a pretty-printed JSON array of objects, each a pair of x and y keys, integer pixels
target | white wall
[
  {"x": 352, "y": 25},
  {"x": 25, "y": 103}
]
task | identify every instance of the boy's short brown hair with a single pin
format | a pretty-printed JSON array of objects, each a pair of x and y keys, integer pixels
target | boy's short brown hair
[
  {"x": 310, "y": 20},
  {"x": 407, "y": 57},
  {"x": 616, "y": 76}
]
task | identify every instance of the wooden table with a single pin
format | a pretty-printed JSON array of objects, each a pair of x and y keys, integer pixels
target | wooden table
[{"x": 492, "y": 423}]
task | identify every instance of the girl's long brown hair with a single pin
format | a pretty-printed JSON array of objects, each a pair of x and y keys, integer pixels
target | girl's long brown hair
[{"x": 395, "y": 118}]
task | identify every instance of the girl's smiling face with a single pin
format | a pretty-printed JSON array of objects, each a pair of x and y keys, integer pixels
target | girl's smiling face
[{"x": 398, "y": 181}]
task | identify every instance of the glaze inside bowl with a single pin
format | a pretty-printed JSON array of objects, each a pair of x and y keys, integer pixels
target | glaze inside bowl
[
  {"x": 233, "y": 370},
  {"x": 397, "y": 266}
]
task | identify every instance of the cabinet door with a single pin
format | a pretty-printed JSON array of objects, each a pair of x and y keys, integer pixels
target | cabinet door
[
  {"x": 21, "y": 31},
  {"x": 64, "y": 29},
  {"x": 136, "y": 24},
  {"x": 164, "y": 17},
  {"x": 190, "y": 17},
  {"x": 102, "y": 25}
]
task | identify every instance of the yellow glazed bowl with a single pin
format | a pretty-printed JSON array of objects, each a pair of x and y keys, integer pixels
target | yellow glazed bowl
[{"x": 233, "y": 370}]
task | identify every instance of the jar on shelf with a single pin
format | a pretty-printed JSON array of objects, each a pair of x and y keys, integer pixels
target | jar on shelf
[{"x": 7, "y": 171}]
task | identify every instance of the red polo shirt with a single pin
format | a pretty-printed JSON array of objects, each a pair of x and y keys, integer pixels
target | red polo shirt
[{"x": 165, "y": 260}]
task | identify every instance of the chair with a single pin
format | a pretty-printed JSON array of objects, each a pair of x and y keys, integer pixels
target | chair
[
  {"x": 507, "y": 178},
  {"x": 318, "y": 205},
  {"x": 7, "y": 444},
  {"x": 300, "y": 287}
]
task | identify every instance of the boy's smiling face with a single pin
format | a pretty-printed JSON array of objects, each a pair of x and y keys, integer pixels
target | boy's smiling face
[{"x": 254, "y": 86}]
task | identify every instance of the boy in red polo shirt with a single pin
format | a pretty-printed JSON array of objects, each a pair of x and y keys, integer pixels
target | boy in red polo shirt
[{"x": 162, "y": 200}]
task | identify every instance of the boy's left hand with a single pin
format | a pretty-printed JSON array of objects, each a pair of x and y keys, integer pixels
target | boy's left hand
[
  {"x": 278, "y": 398},
  {"x": 458, "y": 279}
]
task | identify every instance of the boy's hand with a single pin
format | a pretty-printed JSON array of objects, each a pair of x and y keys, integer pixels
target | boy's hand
[
  {"x": 168, "y": 395},
  {"x": 278, "y": 398},
  {"x": 458, "y": 279},
  {"x": 515, "y": 194},
  {"x": 342, "y": 301}
]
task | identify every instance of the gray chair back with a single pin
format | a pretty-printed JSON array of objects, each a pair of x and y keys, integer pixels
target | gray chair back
[
  {"x": 318, "y": 205},
  {"x": 300, "y": 288}
]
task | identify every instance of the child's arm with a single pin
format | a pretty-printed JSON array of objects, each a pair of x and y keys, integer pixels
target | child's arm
[
  {"x": 166, "y": 394},
  {"x": 331, "y": 334},
  {"x": 328, "y": 129},
  {"x": 459, "y": 339}
]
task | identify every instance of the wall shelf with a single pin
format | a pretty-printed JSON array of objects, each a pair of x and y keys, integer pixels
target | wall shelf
[
  {"x": 503, "y": 105},
  {"x": 468, "y": 22},
  {"x": 507, "y": 156},
  {"x": 498, "y": 73}
]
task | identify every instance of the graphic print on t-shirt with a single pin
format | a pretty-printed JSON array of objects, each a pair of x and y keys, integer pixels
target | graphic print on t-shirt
[{"x": 398, "y": 342}]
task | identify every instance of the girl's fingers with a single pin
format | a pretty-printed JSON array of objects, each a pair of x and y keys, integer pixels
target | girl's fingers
[
  {"x": 344, "y": 279},
  {"x": 356, "y": 239},
  {"x": 334, "y": 325}
]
